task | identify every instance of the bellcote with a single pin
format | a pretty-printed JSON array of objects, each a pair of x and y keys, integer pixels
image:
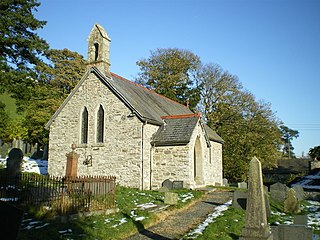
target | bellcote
[{"x": 99, "y": 49}]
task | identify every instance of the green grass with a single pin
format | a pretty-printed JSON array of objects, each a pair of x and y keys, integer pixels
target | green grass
[
  {"x": 115, "y": 226},
  {"x": 11, "y": 107}
]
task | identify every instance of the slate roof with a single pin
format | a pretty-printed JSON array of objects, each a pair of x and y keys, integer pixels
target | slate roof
[
  {"x": 212, "y": 135},
  {"x": 175, "y": 131},
  {"x": 149, "y": 106}
]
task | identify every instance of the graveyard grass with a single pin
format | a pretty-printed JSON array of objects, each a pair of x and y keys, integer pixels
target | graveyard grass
[{"x": 39, "y": 224}]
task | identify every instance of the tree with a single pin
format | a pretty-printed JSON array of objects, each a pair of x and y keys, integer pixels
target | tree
[
  {"x": 64, "y": 70},
  {"x": 248, "y": 127},
  {"x": 21, "y": 48},
  {"x": 3, "y": 120},
  {"x": 170, "y": 72},
  {"x": 314, "y": 153},
  {"x": 55, "y": 80},
  {"x": 287, "y": 137}
]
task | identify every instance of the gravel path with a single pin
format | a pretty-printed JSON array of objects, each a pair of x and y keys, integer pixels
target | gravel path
[{"x": 177, "y": 225}]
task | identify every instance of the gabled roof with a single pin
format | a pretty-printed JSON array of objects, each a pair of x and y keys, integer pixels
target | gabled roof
[
  {"x": 149, "y": 104},
  {"x": 146, "y": 104},
  {"x": 176, "y": 130},
  {"x": 212, "y": 135}
]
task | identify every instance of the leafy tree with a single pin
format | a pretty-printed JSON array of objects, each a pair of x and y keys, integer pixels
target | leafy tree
[
  {"x": 170, "y": 72},
  {"x": 64, "y": 70},
  {"x": 287, "y": 137},
  {"x": 314, "y": 153},
  {"x": 248, "y": 127},
  {"x": 3, "y": 120},
  {"x": 21, "y": 48},
  {"x": 55, "y": 80}
]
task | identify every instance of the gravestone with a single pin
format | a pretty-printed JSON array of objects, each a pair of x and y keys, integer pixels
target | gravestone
[
  {"x": 14, "y": 162},
  {"x": 292, "y": 232},
  {"x": 291, "y": 204},
  {"x": 278, "y": 191},
  {"x": 163, "y": 189},
  {"x": 170, "y": 198},
  {"x": 300, "y": 220},
  {"x": 4, "y": 149},
  {"x": 239, "y": 200},
  {"x": 177, "y": 185},
  {"x": 167, "y": 183},
  {"x": 256, "y": 225},
  {"x": 225, "y": 182},
  {"x": 299, "y": 192},
  {"x": 10, "y": 220},
  {"x": 243, "y": 185}
]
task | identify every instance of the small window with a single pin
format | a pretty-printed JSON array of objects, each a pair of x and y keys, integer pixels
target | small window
[
  {"x": 100, "y": 125},
  {"x": 96, "y": 51},
  {"x": 84, "y": 126}
]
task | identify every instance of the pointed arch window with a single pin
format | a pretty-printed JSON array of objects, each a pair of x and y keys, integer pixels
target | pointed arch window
[
  {"x": 96, "y": 51},
  {"x": 100, "y": 125},
  {"x": 84, "y": 126}
]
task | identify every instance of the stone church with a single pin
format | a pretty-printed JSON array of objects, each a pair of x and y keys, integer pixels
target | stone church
[{"x": 122, "y": 129}]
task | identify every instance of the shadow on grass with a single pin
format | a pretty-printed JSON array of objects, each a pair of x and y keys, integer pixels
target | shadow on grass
[{"x": 141, "y": 229}]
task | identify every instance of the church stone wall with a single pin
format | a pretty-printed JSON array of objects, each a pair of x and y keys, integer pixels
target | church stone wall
[
  {"x": 120, "y": 153},
  {"x": 177, "y": 163}
]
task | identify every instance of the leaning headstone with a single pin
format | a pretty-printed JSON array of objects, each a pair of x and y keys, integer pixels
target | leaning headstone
[
  {"x": 300, "y": 220},
  {"x": 256, "y": 225},
  {"x": 278, "y": 191},
  {"x": 163, "y": 189},
  {"x": 170, "y": 198},
  {"x": 10, "y": 220},
  {"x": 225, "y": 182},
  {"x": 299, "y": 192},
  {"x": 239, "y": 200},
  {"x": 167, "y": 183},
  {"x": 177, "y": 185},
  {"x": 14, "y": 162},
  {"x": 243, "y": 185},
  {"x": 291, "y": 204}
]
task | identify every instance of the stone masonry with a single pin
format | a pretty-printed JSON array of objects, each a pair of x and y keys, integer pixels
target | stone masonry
[{"x": 126, "y": 151}]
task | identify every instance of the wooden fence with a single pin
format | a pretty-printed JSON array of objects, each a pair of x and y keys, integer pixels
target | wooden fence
[{"x": 60, "y": 194}]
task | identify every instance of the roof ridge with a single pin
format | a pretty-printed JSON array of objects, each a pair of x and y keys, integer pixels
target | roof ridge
[
  {"x": 149, "y": 90},
  {"x": 182, "y": 116}
]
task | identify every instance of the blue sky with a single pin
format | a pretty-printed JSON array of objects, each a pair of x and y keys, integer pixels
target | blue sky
[{"x": 273, "y": 46}]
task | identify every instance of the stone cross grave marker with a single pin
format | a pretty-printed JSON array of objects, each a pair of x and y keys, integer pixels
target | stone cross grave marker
[{"x": 256, "y": 225}]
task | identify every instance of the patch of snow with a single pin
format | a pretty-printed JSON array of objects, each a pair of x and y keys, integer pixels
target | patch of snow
[
  {"x": 65, "y": 231},
  {"x": 186, "y": 197},
  {"x": 210, "y": 219},
  {"x": 121, "y": 221},
  {"x": 146, "y": 205},
  {"x": 140, "y": 218},
  {"x": 46, "y": 224},
  {"x": 31, "y": 165}
]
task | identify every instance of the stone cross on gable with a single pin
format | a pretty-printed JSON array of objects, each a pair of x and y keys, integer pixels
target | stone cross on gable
[{"x": 256, "y": 225}]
